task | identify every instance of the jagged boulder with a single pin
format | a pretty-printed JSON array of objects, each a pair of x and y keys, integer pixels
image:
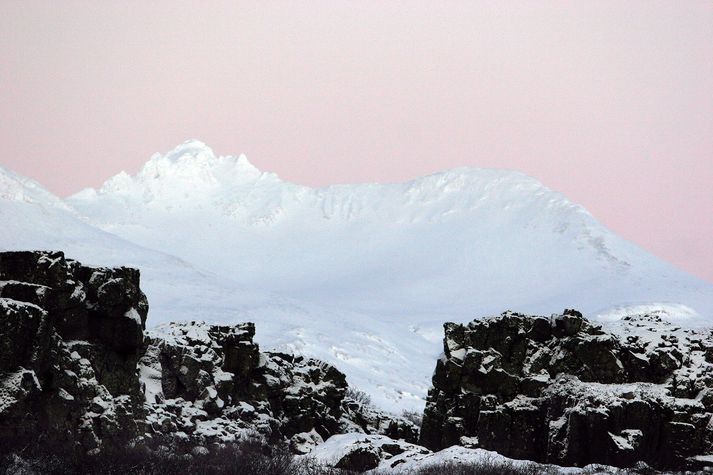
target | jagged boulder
[
  {"x": 356, "y": 452},
  {"x": 217, "y": 372},
  {"x": 562, "y": 390},
  {"x": 360, "y": 458},
  {"x": 25, "y": 335},
  {"x": 306, "y": 394}
]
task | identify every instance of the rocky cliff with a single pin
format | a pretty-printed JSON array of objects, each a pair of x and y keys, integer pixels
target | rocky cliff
[
  {"x": 79, "y": 371},
  {"x": 77, "y": 368},
  {"x": 70, "y": 341},
  {"x": 562, "y": 390},
  {"x": 213, "y": 384}
]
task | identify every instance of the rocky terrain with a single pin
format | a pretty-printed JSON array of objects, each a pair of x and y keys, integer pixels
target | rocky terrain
[
  {"x": 563, "y": 390},
  {"x": 77, "y": 367},
  {"x": 212, "y": 384},
  {"x": 79, "y": 371}
]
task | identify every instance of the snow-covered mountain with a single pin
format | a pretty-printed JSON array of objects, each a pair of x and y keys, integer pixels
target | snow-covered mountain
[
  {"x": 450, "y": 245},
  {"x": 387, "y": 362},
  {"x": 362, "y": 276}
]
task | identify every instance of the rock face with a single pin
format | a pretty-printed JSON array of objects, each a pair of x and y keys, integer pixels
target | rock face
[
  {"x": 77, "y": 366},
  {"x": 214, "y": 385},
  {"x": 70, "y": 340},
  {"x": 562, "y": 390}
]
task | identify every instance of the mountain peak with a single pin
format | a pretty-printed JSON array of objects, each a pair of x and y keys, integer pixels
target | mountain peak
[
  {"x": 195, "y": 163},
  {"x": 195, "y": 151},
  {"x": 189, "y": 168},
  {"x": 192, "y": 176},
  {"x": 192, "y": 148}
]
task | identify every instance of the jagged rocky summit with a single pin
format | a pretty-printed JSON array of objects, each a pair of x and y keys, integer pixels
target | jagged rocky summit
[
  {"x": 562, "y": 390},
  {"x": 77, "y": 368}
]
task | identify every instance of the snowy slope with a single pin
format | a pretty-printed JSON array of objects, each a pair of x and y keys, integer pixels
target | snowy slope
[
  {"x": 453, "y": 245},
  {"x": 388, "y": 363}
]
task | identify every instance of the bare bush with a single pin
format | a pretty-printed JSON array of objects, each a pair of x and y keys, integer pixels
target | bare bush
[
  {"x": 359, "y": 396},
  {"x": 158, "y": 457},
  {"x": 413, "y": 416},
  {"x": 488, "y": 466},
  {"x": 247, "y": 457}
]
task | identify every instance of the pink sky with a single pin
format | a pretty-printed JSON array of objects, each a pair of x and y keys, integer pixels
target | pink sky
[{"x": 610, "y": 103}]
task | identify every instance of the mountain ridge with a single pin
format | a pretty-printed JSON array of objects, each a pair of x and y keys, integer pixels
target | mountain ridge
[
  {"x": 195, "y": 163},
  {"x": 447, "y": 236}
]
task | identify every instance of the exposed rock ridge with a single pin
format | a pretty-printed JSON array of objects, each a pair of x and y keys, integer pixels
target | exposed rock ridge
[
  {"x": 70, "y": 340},
  {"x": 77, "y": 366},
  {"x": 561, "y": 390},
  {"x": 213, "y": 384}
]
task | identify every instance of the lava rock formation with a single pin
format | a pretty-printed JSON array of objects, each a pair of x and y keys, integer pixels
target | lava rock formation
[{"x": 562, "y": 390}]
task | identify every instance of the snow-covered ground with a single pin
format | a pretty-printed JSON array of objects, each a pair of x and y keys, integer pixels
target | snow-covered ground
[
  {"x": 362, "y": 276},
  {"x": 409, "y": 458}
]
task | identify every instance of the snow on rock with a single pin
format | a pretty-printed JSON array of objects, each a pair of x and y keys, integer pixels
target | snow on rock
[
  {"x": 218, "y": 372},
  {"x": 564, "y": 390},
  {"x": 67, "y": 358},
  {"x": 305, "y": 442},
  {"x": 558, "y": 389},
  {"x": 381, "y": 454},
  {"x": 83, "y": 357}
]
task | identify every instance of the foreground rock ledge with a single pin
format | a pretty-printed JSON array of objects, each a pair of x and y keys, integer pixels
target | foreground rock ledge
[
  {"x": 562, "y": 390},
  {"x": 77, "y": 368}
]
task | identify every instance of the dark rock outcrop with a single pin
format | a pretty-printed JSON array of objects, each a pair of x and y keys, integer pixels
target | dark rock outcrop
[
  {"x": 562, "y": 390},
  {"x": 360, "y": 458},
  {"x": 76, "y": 367},
  {"x": 70, "y": 340},
  {"x": 212, "y": 383}
]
